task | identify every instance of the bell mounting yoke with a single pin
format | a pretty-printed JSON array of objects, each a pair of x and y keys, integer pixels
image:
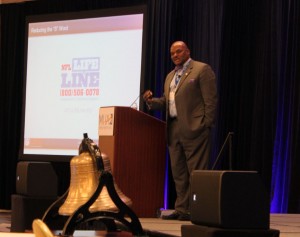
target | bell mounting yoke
[{"x": 82, "y": 214}]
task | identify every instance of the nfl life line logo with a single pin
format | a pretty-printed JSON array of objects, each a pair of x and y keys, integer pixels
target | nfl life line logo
[{"x": 81, "y": 78}]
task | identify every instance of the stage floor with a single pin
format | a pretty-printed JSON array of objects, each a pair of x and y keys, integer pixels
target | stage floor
[{"x": 287, "y": 224}]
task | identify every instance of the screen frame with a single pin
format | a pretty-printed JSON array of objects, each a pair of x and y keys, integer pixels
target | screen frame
[{"x": 140, "y": 9}]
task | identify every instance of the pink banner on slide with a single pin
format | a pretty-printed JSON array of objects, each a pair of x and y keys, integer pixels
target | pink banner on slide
[
  {"x": 56, "y": 143},
  {"x": 115, "y": 23}
]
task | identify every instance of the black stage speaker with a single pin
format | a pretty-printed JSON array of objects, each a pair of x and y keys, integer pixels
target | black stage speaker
[
  {"x": 36, "y": 179},
  {"x": 25, "y": 209},
  {"x": 229, "y": 199}
]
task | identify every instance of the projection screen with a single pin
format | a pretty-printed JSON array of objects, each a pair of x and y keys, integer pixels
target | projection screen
[{"x": 76, "y": 63}]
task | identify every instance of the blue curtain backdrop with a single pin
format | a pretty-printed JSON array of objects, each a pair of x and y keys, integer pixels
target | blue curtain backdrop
[
  {"x": 287, "y": 119},
  {"x": 252, "y": 45}
]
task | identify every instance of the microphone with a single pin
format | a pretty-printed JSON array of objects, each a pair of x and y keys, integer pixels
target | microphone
[{"x": 133, "y": 104}]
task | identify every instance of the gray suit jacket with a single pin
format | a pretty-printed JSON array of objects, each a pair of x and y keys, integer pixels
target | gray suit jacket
[{"x": 195, "y": 98}]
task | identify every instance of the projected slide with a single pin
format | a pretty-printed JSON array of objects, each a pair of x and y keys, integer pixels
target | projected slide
[{"x": 74, "y": 67}]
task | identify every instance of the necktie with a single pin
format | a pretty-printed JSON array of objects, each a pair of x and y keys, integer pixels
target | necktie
[
  {"x": 178, "y": 70},
  {"x": 177, "y": 78}
]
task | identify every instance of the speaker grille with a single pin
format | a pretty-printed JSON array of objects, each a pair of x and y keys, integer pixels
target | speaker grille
[
  {"x": 229, "y": 199},
  {"x": 36, "y": 179}
]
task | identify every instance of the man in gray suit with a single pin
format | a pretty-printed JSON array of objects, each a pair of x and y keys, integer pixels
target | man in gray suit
[{"x": 190, "y": 101}]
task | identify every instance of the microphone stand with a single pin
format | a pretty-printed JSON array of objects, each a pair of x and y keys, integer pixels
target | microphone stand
[
  {"x": 134, "y": 102},
  {"x": 229, "y": 140}
]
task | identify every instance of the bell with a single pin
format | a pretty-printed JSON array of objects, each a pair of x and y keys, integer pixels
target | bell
[{"x": 83, "y": 184}]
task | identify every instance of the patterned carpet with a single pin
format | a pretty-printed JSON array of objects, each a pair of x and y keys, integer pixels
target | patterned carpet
[{"x": 5, "y": 217}]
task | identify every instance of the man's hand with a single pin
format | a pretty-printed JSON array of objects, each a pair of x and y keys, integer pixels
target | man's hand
[{"x": 147, "y": 96}]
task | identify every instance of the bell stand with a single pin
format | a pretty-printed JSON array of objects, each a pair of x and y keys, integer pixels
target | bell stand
[
  {"x": 82, "y": 214},
  {"x": 229, "y": 141}
]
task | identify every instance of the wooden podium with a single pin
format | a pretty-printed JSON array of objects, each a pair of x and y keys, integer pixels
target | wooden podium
[{"x": 135, "y": 143}]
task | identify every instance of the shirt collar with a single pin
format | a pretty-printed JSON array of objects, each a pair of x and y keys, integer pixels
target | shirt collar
[{"x": 180, "y": 67}]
